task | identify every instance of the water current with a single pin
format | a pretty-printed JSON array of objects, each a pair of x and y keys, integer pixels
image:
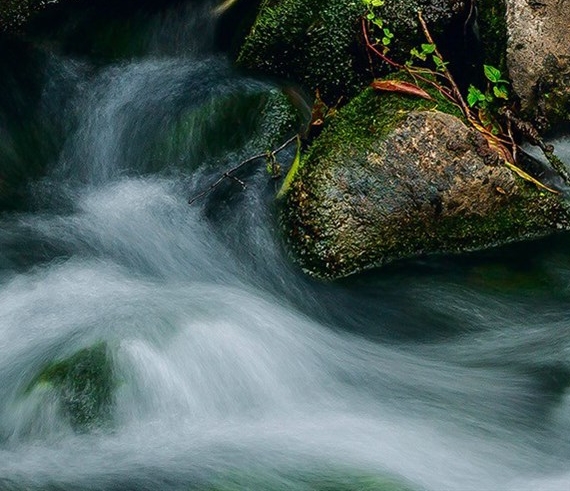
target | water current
[{"x": 235, "y": 370}]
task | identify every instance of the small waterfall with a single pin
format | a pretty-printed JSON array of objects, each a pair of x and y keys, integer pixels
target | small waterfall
[{"x": 147, "y": 344}]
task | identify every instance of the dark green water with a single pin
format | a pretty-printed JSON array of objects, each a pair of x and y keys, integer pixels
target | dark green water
[{"x": 150, "y": 345}]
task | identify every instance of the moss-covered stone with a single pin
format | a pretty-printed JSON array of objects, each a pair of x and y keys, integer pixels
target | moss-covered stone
[
  {"x": 318, "y": 43},
  {"x": 312, "y": 42},
  {"x": 393, "y": 177},
  {"x": 85, "y": 382},
  {"x": 539, "y": 60},
  {"x": 551, "y": 110}
]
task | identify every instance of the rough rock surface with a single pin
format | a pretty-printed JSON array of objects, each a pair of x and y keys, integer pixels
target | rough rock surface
[
  {"x": 14, "y": 13},
  {"x": 538, "y": 55},
  {"x": 423, "y": 182},
  {"x": 318, "y": 42}
]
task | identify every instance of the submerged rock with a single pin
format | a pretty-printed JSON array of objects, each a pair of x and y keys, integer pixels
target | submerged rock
[
  {"x": 84, "y": 383},
  {"x": 252, "y": 120},
  {"x": 394, "y": 177},
  {"x": 538, "y": 56}
]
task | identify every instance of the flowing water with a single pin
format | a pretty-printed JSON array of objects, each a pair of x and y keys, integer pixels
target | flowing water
[{"x": 232, "y": 369}]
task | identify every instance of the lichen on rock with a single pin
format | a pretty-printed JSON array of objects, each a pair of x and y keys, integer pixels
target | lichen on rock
[{"x": 394, "y": 177}]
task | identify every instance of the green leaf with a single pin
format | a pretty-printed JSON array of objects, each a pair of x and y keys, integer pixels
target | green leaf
[
  {"x": 386, "y": 41},
  {"x": 500, "y": 92},
  {"x": 492, "y": 74},
  {"x": 370, "y": 15},
  {"x": 428, "y": 48},
  {"x": 474, "y": 96},
  {"x": 439, "y": 63},
  {"x": 414, "y": 52},
  {"x": 292, "y": 171}
]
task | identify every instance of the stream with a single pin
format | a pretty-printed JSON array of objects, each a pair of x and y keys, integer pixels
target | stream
[{"x": 232, "y": 368}]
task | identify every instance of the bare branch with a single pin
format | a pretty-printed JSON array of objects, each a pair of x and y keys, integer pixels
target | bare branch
[{"x": 228, "y": 173}]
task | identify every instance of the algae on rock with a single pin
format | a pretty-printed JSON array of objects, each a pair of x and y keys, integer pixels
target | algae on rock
[
  {"x": 311, "y": 42},
  {"x": 84, "y": 382},
  {"x": 394, "y": 177},
  {"x": 251, "y": 120}
]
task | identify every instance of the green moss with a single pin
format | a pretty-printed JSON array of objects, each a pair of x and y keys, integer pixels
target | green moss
[
  {"x": 335, "y": 177},
  {"x": 318, "y": 43},
  {"x": 85, "y": 384},
  {"x": 312, "y": 42},
  {"x": 372, "y": 115},
  {"x": 530, "y": 214}
]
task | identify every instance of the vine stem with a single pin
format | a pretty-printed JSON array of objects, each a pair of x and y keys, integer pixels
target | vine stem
[{"x": 456, "y": 92}]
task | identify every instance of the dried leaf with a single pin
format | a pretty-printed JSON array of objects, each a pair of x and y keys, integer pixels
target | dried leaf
[
  {"x": 319, "y": 111},
  {"x": 400, "y": 87}
]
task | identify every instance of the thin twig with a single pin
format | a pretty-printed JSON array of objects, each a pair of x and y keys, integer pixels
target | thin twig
[
  {"x": 415, "y": 73},
  {"x": 456, "y": 92},
  {"x": 372, "y": 47},
  {"x": 228, "y": 173}
]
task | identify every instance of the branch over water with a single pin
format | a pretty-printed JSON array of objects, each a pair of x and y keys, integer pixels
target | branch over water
[{"x": 228, "y": 174}]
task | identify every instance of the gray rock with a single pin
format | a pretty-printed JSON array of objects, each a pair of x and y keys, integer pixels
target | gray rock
[{"x": 538, "y": 56}]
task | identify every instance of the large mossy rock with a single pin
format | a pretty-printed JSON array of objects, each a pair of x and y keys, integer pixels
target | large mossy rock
[
  {"x": 394, "y": 177},
  {"x": 318, "y": 43},
  {"x": 538, "y": 56}
]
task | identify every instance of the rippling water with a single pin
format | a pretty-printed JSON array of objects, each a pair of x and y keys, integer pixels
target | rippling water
[{"x": 232, "y": 369}]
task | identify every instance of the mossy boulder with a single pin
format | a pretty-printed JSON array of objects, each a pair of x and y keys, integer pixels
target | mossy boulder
[
  {"x": 395, "y": 177},
  {"x": 318, "y": 43},
  {"x": 85, "y": 383}
]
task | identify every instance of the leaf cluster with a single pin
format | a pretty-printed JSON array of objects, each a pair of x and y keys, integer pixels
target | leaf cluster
[
  {"x": 488, "y": 103},
  {"x": 372, "y": 15},
  {"x": 427, "y": 51}
]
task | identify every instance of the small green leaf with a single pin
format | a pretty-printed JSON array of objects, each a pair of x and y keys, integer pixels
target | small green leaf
[
  {"x": 492, "y": 74},
  {"x": 439, "y": 63},
  {"x": 500, "y": 92},
  {"x": 474, "y": 96},
  {"x": 414, "y": 52},
  {"x": 386, "y": 41},
  {"x": 370, "y": 15},
  {"x": 428, "y": 48},
  {"x": 378, "y": 22}
]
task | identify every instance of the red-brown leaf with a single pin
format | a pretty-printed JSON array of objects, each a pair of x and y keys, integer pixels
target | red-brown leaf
[{"x": 401, "y": 87}]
